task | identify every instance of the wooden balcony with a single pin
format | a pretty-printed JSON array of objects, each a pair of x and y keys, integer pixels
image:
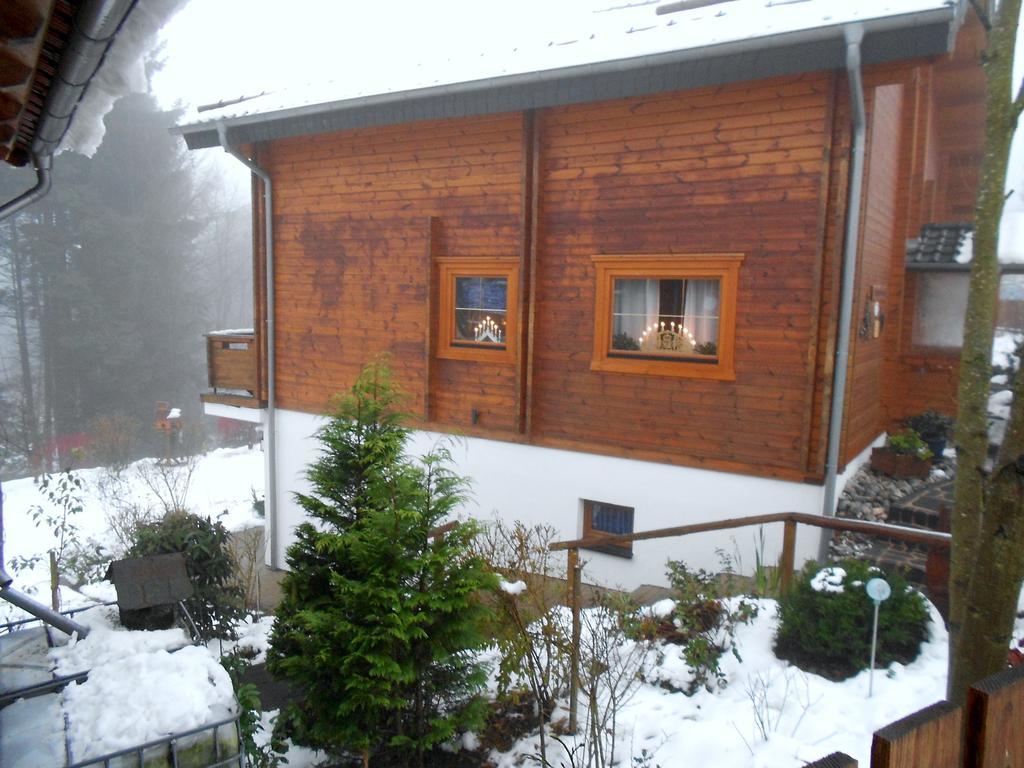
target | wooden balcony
[{"x": 233, "y": 363}]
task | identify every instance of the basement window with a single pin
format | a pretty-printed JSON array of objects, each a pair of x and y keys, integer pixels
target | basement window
[
  {"x": 666, "y": 315},
  {"x": 602, "y": 518},
  {"x": 477, "y": 309}
]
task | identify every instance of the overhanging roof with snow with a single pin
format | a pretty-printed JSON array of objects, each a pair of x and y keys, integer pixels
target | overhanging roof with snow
[{"x": 633, "y": 50}]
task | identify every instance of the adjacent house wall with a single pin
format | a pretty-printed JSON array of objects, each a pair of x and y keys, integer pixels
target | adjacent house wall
[
  {"x": 943, "y": 188},
  {"x": 758, "y": 168}
]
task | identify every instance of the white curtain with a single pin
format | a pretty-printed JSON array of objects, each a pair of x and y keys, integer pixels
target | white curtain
[
  {"x": 702, "y": 309},
  {"x": 635, "y": 307}
]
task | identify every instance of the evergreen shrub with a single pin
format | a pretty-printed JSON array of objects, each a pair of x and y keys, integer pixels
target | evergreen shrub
[
  {"x": 380, "y": 620},
  {"x": 704, "y": 623},
  {"x": 825, "y": 623},
  {"x": 216, "y": 604}
]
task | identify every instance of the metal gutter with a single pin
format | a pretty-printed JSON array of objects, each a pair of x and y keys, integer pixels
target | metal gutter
[
  {"x": 271, "y": 427},
  {"x": 95, "y": 26},
  {"x": 896, "y": 37},
  {"x": 854, "y": 36},
  {"x": 43, "y": 166}
]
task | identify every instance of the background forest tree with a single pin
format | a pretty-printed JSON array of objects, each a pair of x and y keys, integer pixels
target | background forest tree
[{"x": 107, "y": 285}]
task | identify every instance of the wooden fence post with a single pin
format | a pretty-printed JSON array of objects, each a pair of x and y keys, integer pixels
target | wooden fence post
[
  {"x": 788, "y": 560},
  {"x": 835, "y": 760},
  {"x": 574, "y": 574},
  {"x": 930, "y": 737},
  {"x": 994, "y": 732},
  {"x": 54, "y": 582}
]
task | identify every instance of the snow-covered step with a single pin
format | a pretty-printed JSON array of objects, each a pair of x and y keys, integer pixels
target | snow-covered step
[
  {"x": 32, "y": 733},
  {"x": 23, "y": 659}
]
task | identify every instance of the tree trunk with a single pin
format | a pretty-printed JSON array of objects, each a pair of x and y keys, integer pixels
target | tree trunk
[
  {"x": 981, "y": 502},
  {"x": 30, "y": 423}
]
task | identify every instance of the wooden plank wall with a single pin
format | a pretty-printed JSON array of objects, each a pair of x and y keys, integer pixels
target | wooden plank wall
[
  {"x": 353, "y": 229},
  {"x": 879, "y": 247},
  {"x": 758, "y": 168},
  {"x": 737, "y": 168},
  {"x": 944, "y": 185}
]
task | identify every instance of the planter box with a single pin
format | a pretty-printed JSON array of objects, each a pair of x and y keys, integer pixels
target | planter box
[{"x": 886, "y": 461}]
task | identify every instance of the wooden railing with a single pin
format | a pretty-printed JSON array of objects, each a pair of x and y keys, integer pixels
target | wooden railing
[
  {"x": 935, "y": 540},
  {"x": 987, "y": 732},
  {"x": 232, "y": 361}
]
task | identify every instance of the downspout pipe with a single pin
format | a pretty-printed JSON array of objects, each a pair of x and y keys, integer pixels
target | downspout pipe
[
  {"x": 271, "y": 427},
  {"x": 40, "y": 611},
  {"x": 43, "y": 166},
  {"x": 854, "y": 35}
]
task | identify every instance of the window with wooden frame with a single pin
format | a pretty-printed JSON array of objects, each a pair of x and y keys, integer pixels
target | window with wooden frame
[
  {"x": 477, "y": 308},
  {"x": 601, "y": 518},
  {"x": 672, "y": 315}
]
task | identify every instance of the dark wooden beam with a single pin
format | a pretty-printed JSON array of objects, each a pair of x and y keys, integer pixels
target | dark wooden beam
[
  {"x": 13, "y": 71},
  {"x": 19, "y": 20},
  {"x": 10, "y": 107}
]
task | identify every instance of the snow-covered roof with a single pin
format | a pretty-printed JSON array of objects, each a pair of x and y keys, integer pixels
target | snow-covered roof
[{"x": 586, "y": 50}]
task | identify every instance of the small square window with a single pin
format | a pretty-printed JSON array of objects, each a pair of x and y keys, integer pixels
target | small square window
[
  {"x": 477, "y": 309},
  {"x": 669, "y": 315},
  {"x": 600, "y": 517}
]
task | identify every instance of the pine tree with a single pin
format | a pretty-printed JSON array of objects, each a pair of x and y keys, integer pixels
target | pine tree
[{"x": 380, "y": 618}]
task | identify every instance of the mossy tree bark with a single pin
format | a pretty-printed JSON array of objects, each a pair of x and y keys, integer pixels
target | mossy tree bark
[{"x": 988, "y": 536}]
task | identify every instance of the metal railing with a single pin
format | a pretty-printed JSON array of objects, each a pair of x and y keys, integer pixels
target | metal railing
[
  {"x": 10, "y": 626},
  {"x": 170, "y": 749}
]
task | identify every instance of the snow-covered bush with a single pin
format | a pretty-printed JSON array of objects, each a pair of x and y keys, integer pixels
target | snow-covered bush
[
  {"x": 532, "y": 633},
  {"x": 702, "y": 623},
  {"x": 825, "y": 620}
]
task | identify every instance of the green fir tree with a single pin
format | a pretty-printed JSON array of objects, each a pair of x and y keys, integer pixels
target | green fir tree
[{"x": 380, "y": 619}]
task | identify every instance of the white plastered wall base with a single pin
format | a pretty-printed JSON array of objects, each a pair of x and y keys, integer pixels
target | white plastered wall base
[{"x": 512, "y": 482}]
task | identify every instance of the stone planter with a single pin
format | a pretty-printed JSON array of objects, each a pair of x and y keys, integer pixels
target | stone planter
[{"x": 888, "y": 462}]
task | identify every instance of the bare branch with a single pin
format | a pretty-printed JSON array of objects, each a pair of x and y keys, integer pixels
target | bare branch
[
  {"x": 982, "y": 15},
  {"x": 1018, "y": 104}
]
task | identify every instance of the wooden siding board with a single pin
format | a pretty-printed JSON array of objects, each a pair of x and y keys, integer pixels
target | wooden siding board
[
  {"x": 666, "y": 191},
  {"x": 353, "y": 254}
]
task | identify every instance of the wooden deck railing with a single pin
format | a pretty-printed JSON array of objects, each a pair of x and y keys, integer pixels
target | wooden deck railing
[
  {"x": 933, "y": 539},
  {"x": 232, "y": 361}
]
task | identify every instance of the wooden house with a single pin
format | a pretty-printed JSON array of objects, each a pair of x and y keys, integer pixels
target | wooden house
[{"x": 615, "y": 267}]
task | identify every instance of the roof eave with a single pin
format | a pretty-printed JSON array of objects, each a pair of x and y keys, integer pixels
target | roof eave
[{"x": 909, "y": 36}]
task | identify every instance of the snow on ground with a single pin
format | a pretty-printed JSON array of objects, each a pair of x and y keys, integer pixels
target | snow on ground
[
  {"x": 808, "y": 716},
  {"x": 141, "y": 686},
  {"x": 222, "y": 486}
]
